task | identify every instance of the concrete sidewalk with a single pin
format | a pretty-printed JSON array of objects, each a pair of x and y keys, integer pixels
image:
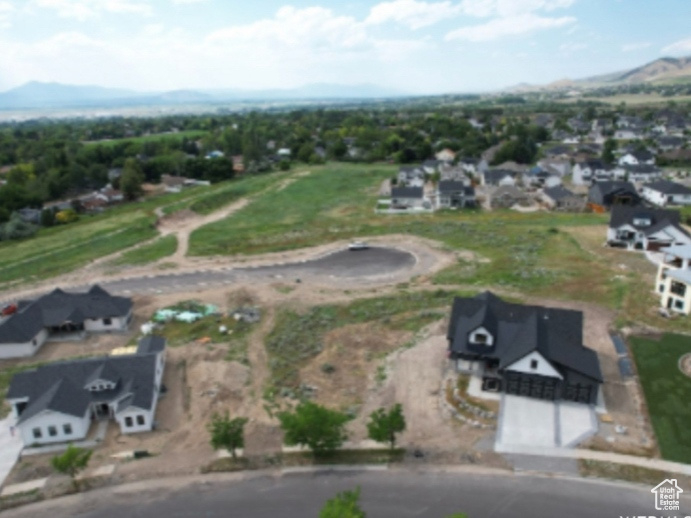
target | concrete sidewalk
[
  {"x": 10, "y": 447},
  {"x": 602, "y": 456}
]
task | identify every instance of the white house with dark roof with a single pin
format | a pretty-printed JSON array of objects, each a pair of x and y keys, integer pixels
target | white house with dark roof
[
  {"x": 530, "y": 351},
  {"x": 60, "y": 315},
  {"x": 637, "y": 157},
  {"x": 407, "y": 198},
  {"x": 664, "y": 192},
  {"x": 673, "y": 281},
  {"x": 454, "y": 194},
  {"x": 640, "y": 228},
  {"x": 57, "y": 402}
]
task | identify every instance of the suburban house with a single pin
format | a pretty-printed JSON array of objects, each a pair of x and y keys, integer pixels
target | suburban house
[
  {"x": 560, "y": 198},
  {"x": 452, "y": 194},
  {"x": 556, "y": 166},
  {"x": 407, "y": 197},
  {"x": 664, "y": 192},
  {"x": 506, "y": 196},
  {"x": 498, "y": 177},
  {"x": 639, "y": 228},
  {"x": 431, "y": 166},
  {"x": 603, "y": 195},
  {"x": 638, "y": 157},
  {"x": 537, "y": 177},
  {"x": 530, "y": 351},
  {"x": 411, "y": 176},
  {"x": 57, "y": 402},
  {"x": 639, "y": 173},
  {"x": 469, "y": 165},
  {"x": 457, "y": 173},
  {"x": 58, "y": 316},
  {"x": 445, "y": 155},
  {"x": 628, "y": 134},
  {"x": 673, "y": 282},
  {"x": 585, "y": 171},
  {"x": 669, "y": 142}
]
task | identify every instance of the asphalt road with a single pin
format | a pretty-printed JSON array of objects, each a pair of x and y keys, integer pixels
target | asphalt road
[
  {"x": 392, "y": 494},
  {"x": 344, "y": 264}
]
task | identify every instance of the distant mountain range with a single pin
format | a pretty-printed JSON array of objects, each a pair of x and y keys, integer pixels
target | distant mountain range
[
  {"x": 660, "y": 71},
  {"x": 56, "y": 95}
]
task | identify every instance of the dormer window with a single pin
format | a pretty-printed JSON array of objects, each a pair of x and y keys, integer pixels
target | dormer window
[
  {"x": 480, "y": 338},
  {"x": 642, "y": 221}
]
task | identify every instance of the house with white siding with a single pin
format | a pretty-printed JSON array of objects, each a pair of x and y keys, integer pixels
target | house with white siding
[
  {"x": 59, "y": 316},
  {"x": 673, "y": 282},
  {"x": 529, "y": 351},
  {"x": 663, "y": 193},
  {"x": 640, "y": 228},
  {"x": 58, "y": 402}
]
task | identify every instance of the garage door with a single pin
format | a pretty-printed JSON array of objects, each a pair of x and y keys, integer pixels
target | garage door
[
  {"x": 578, "y": 393},
  {"x": 539, "y": 387}
]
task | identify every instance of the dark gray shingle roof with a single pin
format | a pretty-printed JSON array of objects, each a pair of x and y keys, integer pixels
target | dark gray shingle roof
[
  {"x": 58, "y": 307},
  {"x": 406, "y": 192},
  {"x": 667, "y": 187},
  {"x": 557, "y": 334},
  {"x": 60, "y": 386}
]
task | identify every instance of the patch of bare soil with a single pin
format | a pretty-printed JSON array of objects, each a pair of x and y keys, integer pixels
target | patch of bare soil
[
  {"x": 685, "y": 364},
  {"x": 350, "y": 356}
]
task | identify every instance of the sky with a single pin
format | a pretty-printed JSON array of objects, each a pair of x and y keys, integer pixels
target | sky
[{"x": 408, "y": 46}]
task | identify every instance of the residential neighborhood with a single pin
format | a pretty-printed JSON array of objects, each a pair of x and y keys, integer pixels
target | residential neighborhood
[{"x": 493, "y": 282}]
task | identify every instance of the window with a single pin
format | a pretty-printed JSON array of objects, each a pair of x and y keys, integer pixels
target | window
[
  {"x": 679, "y": 304},
  {"x": 37, "y": 433},
  {"x": 34, "y": 342},
  {"x": 67, "y": 429},
  {"x": 128, "y": 422},
  {"x": 140, "y": 420},
  {"x": 662, "y": 288},
  {"x": 52, "y": 431},
  {"x": 107, "y": 321},
  {"x": 533, "y": 364},
  {"x": 480, "y": 338}
]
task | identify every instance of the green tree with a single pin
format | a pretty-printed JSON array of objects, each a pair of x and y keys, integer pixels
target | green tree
[
  {"x": 457, "y": 515},
  {"x": 343, "y": 505},
  {"x": 131, "y": 180},
  {"x": 72, "y": 462},
  {"x": 383, "y": 426},
  {"x": 608, "y": 150},
  {"x": 227, "y": 433},
  {"x": 320, "y": 429}
]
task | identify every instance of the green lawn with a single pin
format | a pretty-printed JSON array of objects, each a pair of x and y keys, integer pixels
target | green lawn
[
  {"x": 158, "y": 249},
  {"x": 667, "y": 392}
]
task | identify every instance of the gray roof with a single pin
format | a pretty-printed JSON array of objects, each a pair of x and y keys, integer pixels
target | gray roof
[
  {"x": 642, "y": 169},
  {"x": 658, "y": 218},
  {"x": 603, "y": 193},
  {"x": 450, "y": 186},
  {"x": 57, "y": 308},
  {"x": 60, "y": 386},
  {"x": 558, "y": 193},
  {"x": 518, "y": 330},
  {"x": 406, "y": 192},
  {"x": 667, "y": 187}
]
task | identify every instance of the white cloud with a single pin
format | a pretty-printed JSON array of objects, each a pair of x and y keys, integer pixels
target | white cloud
[
  {"x": 511, "y": 26},
  {"x": 6, "y": 11},
  {"x": 83, "y": 10},
  {"x": 181, "y": 2},
  {"x": 681, "y": 47},
  {"x": 504, "y": 8},
  {"x": 412, "y": 13},
  {"x": 630, "y": 47},
  {"x": 572, "y": 47}
]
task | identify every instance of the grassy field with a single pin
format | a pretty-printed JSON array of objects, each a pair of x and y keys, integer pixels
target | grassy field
[
  {"x": 667, "y": 392},
  {"x": 156, "y": 137},
  {"x": 160, "y": 248},
  {"x": 632, "y": 99},
  {"x": 61, "y": 249},
  {"x": 330, "y": 203}
]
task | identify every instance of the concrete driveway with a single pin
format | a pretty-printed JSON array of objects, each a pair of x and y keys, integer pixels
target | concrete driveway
[
  {"x": 10, "y": 447},
  {"x": 530, "y": 423}
]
